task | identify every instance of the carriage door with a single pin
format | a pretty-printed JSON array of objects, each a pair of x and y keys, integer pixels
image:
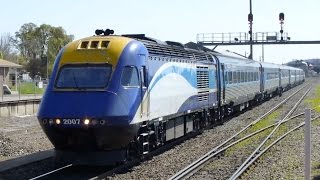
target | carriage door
[
  {"x": 145, "y": 98},
  {"x": 280, "y": 73},
  {"x": 261, "y": 69},
  {"x": 289, "y": 77},
  {"x": 223, "y": 80}
]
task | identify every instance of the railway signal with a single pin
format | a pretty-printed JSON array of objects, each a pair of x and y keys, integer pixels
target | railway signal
[{"x": 281, "y": 19}]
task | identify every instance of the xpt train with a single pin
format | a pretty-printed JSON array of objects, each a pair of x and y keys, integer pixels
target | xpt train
[{"x": 111, "y": 97}]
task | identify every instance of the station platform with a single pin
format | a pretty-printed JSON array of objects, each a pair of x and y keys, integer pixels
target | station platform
[{"x": 16, "y": 97}]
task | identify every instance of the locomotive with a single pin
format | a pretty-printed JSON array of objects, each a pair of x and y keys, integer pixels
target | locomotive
[{"x": 111, "y": 97}]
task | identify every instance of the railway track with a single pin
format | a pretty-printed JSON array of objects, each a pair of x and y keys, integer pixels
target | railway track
[
  {"x": 46, "y": 175},
  {"x": 254, "y": 158},
  {"x": 73, "y": 171},
  {"x": 232, "y": 141}
]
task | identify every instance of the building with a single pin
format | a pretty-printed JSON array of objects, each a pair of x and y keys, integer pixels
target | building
[{"x": 9, "y": 72}]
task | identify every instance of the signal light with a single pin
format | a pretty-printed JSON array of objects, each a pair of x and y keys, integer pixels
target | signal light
[
  {"x": 250, "y": 17},
  {"x": 281, "y": 17}
]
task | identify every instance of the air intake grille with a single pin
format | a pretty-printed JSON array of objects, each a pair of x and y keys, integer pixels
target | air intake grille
[
  {"x": 203, "y": 83},
  {"x": 176, "y": 52},
  {"x": 204, "y": 96}
]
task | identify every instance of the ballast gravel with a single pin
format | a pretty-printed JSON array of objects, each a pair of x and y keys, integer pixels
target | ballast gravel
[{"x": 20, "y": 136}]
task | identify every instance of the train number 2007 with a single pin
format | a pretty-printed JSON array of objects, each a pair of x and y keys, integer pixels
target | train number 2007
[{"x": 71, "y": 121}]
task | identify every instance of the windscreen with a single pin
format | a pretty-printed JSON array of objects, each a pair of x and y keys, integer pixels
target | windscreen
[{"x": 84, "y": 76}]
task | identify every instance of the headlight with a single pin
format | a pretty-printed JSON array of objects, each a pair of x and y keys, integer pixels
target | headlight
[{"x": 86, "y": 121}]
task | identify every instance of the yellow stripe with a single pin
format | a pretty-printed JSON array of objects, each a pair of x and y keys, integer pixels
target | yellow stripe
[{"x": 75, "y": 55}]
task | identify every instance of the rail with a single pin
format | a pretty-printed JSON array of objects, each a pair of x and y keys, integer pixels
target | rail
[{"x": 52, "y": 172}]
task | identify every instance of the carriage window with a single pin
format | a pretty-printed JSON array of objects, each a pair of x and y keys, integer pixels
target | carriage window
[
  {"x": 226, "y": 77},
  {"x": 84, "y": 76},
  {"x": 242, "y": 77},
  {"x": 238, "y": 77},
  {"x": 247, "y": 77},
  {"x": 143, "y": 75},
  {"x": 129, "y": 77},
  {"x": 234, "y": 77},
  {"x": 230, "y": 77}
]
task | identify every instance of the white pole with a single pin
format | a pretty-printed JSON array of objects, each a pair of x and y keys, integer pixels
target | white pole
[
  {"x": 1, "y": 86},
  {"x": 307, "y": 142}
]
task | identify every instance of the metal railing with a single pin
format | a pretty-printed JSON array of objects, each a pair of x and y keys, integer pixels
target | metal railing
[
  {"x": 22, "y": 90},
  {"x": 240, "y": 37}
]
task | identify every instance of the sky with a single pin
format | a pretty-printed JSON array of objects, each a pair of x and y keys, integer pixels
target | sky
[{"x": 176, "y": 20}]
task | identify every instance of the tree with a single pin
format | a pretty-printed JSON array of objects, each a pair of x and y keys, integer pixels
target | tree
[
  {"x": 37, "y": 44},
  {"x": 6, "y": 49},
  {"x": 26, "y": 41}
]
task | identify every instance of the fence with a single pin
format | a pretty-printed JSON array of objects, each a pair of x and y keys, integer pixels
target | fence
[{"x": 22, "y": 90}]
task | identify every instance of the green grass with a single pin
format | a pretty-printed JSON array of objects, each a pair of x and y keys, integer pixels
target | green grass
[
  {"x": 29, "y": 88},
  {"x": 315, "y": 102},
  {"x": 271, "y": 119},
  {"x": 316, "y": 122},
  {"x": 315, "y": 171}
]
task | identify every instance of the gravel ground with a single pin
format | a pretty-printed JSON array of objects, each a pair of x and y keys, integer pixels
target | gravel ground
[
  {"x": 21, "y": 136},
  {"x": 167, "y": 164}
]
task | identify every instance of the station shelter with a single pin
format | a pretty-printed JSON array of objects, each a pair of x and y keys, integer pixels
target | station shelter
[{"x": 9, "y": 72}]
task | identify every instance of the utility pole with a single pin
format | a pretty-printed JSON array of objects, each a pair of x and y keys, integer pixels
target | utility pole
[{"x": 250, "y": 19}]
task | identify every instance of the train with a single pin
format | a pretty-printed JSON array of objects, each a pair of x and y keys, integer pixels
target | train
[{"x": 114, "y": 97}]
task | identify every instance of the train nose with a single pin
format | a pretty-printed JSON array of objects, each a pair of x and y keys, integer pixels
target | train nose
[{"x": 77, "y": 105}]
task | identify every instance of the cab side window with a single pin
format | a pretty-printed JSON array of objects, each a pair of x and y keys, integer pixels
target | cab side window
[{"x": 129, "y": 77}]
